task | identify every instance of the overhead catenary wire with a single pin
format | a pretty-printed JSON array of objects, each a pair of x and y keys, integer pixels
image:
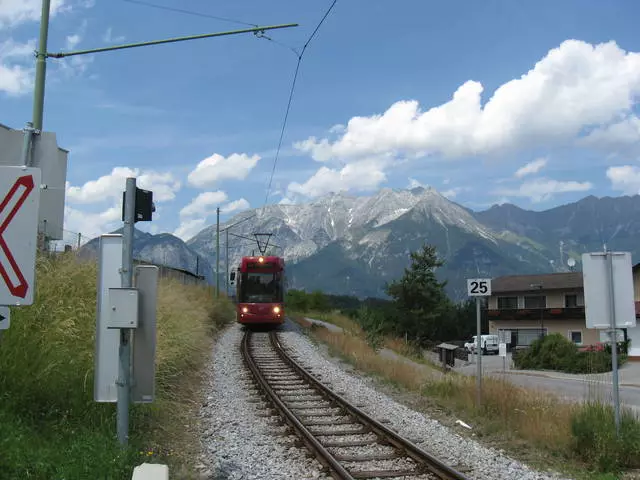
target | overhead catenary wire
[
  {"x": 190, "y": 12},
  {"x": 291, "y": 91}
]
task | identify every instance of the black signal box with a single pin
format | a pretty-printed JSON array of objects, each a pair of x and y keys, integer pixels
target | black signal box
[{"x": 144, "y": 205}]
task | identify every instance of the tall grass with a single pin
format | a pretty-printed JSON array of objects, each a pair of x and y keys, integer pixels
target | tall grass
[
  {"x": 50, "y": 427},
  {"x": 581, "y": 433}
]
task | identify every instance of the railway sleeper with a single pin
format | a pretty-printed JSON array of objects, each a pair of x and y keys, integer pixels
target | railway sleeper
[
  {"x": 367, "y": 457},
  {"x": 301, "y": 398},
  {"x": 386, "y": 473},
  {"x": 317, "y": 423},
  {"x": 349, "y": 443},
  {"x": 344, "y": 431},
  {"x": 321, "y": 415}
]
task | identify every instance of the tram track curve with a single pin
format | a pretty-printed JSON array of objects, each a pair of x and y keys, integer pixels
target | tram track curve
[{"x": 307, "y": 406}]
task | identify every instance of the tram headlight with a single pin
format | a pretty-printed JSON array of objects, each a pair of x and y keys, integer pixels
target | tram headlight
[
  {"x": 276, "y": 309},
  {"x": 245, "y": 309}
]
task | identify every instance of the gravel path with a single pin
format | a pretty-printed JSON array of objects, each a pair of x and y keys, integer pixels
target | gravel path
[
  {"x": 465, "y": 455},
  {"x": 239, "y": 443}
]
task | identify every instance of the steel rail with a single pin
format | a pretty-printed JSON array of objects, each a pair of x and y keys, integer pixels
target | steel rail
[
  {"x": 422, "y": 457},
  {"x": 322, "y": 454}
]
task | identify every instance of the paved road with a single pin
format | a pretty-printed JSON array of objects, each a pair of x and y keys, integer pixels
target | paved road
[{"x": 567, "y": 386}]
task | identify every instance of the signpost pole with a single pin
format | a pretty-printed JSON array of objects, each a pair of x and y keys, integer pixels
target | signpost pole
[
  {"x": 478, "y": 352},
  {"x": 614, "y": 342},
  {"x": 124, "y": 374},
  {"x": 479, "y": 287}
]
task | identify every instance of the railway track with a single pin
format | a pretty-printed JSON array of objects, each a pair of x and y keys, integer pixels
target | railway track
[{"x": 344, "y": 439}]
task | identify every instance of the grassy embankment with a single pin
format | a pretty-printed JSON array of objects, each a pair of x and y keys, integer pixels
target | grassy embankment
[
  {"x": 50, "y": 427},
  {"x": 580, "y": 438}
]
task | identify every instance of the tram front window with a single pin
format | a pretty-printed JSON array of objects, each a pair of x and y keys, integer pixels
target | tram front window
[{"x": 260, "y": 288}]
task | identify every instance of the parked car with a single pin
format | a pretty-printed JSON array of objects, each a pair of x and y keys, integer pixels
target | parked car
[{"x": 488, "y": 343}]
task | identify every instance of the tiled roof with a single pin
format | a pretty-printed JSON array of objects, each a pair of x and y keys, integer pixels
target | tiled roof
[{"x": 549, "y": 281}]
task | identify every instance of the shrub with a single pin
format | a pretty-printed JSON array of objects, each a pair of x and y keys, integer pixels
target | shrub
[
  {"x": 595, "y": 441},
  {"x": 554, "y": 352}
]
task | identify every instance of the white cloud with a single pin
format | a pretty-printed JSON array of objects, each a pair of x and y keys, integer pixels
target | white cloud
[
  {"x": 15, "y": 12},
  {"x": 622, "y": 134},
  {"x": 541, "y": 189},
  {"x": 452, "y": 192},
  {"x": 360, "y": 176},
  {"x": 625, "y": 179},
  {"x": 194, "y": 216},
  {"x": 109, "y": 38},
  {"x": 236, "y": 205},
  {"x": 204, "y": 204},
  {"x": 189, "y": 228},
  {"x": 16, "y": 67},
  {"x": 91, "y": 225},
  {"x": 110, "y": 187},
  {"x": 72, "y": 41},
  {"x": 216, "y": 167},
  {"x": 575, "y": 86},
  {"x": 531, "y": 167},
  {"x": 413, "y": 183}
]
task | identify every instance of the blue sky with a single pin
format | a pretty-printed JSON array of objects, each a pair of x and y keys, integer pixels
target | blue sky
[{"x": 533, "y": 103}]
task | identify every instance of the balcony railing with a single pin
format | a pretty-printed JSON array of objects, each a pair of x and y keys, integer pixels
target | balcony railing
[{"x": 571, "y": 313}]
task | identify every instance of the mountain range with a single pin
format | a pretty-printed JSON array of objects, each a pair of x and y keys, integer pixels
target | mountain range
[{"x": 352, "y": 245}]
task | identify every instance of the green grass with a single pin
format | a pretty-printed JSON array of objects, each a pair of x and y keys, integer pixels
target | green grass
[{"x": 50, "y": 427}]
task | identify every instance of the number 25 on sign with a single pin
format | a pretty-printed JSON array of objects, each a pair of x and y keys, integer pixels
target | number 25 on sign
[{"x": 479, "y": 287}]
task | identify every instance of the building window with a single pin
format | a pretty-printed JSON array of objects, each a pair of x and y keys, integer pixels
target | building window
[
  {"x": 523, "y": 337},
  {"x": 571, "y": 301},
  {"x": 576, "y": 336},
  {"x": 507, "y": 303},
  {"x": 535, "y": 301}
]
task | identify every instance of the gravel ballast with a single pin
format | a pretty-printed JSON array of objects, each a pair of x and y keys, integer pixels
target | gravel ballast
[
  {"x": 239, "y": 442},
  {"x": 466, "y": 455}
]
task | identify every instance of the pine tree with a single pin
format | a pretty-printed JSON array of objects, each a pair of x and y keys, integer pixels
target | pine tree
[{"x": 419, "y": 296}]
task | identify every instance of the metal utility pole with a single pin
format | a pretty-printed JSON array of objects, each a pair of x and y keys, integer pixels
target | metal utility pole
[
  {"x": 226, "y": 261},
  {"x": 124, "y": 370},
  {"x": 218, "y": 252},
  {"x": 41, "y": 66},
  {"x": 614, "y": 342},
  {"x": 38, "y": 95}
]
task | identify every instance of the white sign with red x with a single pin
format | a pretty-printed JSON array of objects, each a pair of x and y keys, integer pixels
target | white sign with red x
[{"x": 19, "y": 202}]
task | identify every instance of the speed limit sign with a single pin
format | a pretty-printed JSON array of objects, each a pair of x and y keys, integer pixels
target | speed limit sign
[{"x": 479, "y": 287}]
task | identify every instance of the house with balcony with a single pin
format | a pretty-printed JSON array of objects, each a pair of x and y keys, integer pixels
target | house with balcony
[
  {"x": 528, "y": 305},
  {"x": 633, "y": 334}
]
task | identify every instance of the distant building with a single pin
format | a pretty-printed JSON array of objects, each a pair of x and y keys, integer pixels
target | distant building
[
  {"x": 528, "y": 305},
  {"x": 634, "y": 333}
]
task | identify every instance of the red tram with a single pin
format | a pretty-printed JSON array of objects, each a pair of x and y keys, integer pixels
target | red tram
[{"x": 260, "y": 285}]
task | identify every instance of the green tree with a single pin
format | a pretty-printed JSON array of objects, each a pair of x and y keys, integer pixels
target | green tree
[
  {"x": 297, "y": 300},
  {"x": 420, "y": 297},
  {"x": 319, "y": 302}
]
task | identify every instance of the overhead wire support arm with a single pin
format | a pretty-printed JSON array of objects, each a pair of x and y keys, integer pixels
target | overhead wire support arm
[{"x": 256, "y": 30}]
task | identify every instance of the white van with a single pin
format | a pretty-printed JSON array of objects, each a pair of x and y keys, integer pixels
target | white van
[{"x": 488, "y": 343}]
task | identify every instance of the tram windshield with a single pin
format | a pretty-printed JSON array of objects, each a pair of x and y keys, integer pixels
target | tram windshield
[{"x": 260, "y": 288}]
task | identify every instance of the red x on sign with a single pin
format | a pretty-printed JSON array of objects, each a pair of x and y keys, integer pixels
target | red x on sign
[{"x": 9, "y": 269}]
